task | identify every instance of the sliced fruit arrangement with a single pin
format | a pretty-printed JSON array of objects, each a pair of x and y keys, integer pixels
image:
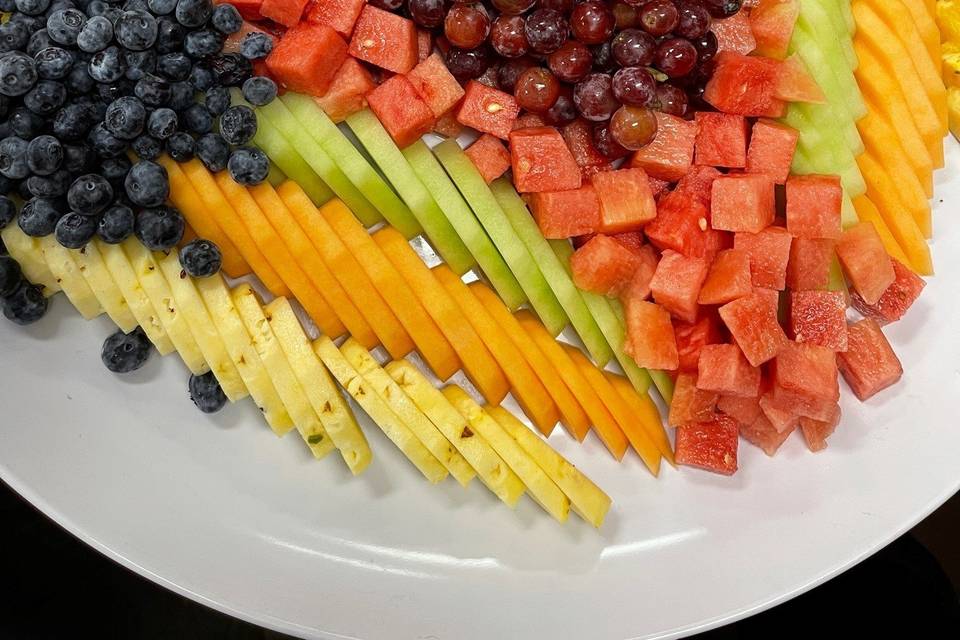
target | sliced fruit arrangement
[{"x": 948, "y": 20}]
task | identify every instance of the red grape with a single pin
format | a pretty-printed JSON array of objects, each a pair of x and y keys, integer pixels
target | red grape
[
  {"x": 592, "y": 22},
  {"x": 626, "y": 16},
  {"x": 466, "y": 25},
  {"x": 694, "y": 19},
  {"x": 563, "y": 6},
  {"x": 536, "y": 90},
  {"x": 593, "y": 97},
  {"x": 659, "y": 17},
  {"x": 633, "y": 127},
  {"x": 562, "y": 112},
  {"x": 508, "y": 73},
  {"x": 706, "y": 46},
  {"x": 546, "y": 30},
  {"x": 467, "y": 64},
  {"x": 513, "y": 7},
  {"x": 633, "y": 48},
  {"x": 604, "y": 142},
  {"x": 427, "y": 13},
  {"x": 507, "y": 36},
  {"x": 571, "y": 62},
  {"x": 672, "y": 100},
  {"x": 723, "y": 8},
  {"x": 675, "y": 57},
  {"x": 603, "y": 58},
  {"x": 634, "y": 86}
]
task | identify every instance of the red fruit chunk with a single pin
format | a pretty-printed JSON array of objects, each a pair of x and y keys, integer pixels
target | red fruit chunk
[
  {"x": 782, "y": 419},
  {"x": 723, "y": 369},
  {"x": 709, "y": 445},
  {"x": 772, "y": 22},
  {"x": 896, "y": 299},
  {"x": 603, "y": 266},
  {"x": 869, "y": 364},
  {"x": 816, "y": 432},
  {"x": 249, "y": 9},
  {"x": 285, "y": 12},
  {"x": 676, "y": 284},
  {"x": 579, "y": 138},
  {"x": 448, "y": 126},
  {"x": 813, "y": 206},
  {"x": 752, "y": 321},
  {"x": 564, "y": 214},
  {"x": 762, "y": 434},
  {"x": 489, "y": 156},
  {"x": 341, "y": 15},
  {"x": 804, "y": 371},
  {"x": 692, "y": 337},
  {"x": 634, "y": 241},
  {"x": 401, "y": 111},
  {"x": 721, "y": 139},
  {"x": 529, "y": 120},
  {"x": 689, "y": 403},
  {"x": 437, "y": 86},
  {"x": 650, "y": 338},
  {"x": 819, "y": 317},
  {"x": 307, "y": 58},
  {"x": 626, "y": 202},
  {"x": 865, "y": 261},
  {"x": 743, "y": 410},
  {"x": 728, "y": 278},
  {"x": 771, "y": 150},
  {"x": 347, "y": 91},
  {"x": 734, "y": 33},
  {"x": 795, "y": 84},
  {"x": 681, "y": 225},
  {"x": 488, "y": 110},
  {"x": 638, "y": 287},
  {"x": 769, "y": 254},
  {"x": 657, "y": 186},
  {"x": 744, "y": 85},
  {"x": 542, "y": 162},
  {"x": 699, "y": 183},
  {"x": 742, "y": 203},
  {"x": 670, "y": 154},
  {"x": 809, "y": 266},
  {"x": 385, "y": 39}
]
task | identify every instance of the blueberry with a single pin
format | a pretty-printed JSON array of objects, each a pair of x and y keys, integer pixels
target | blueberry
[
  {"x": 205, "y": 391},
  {"x": 231, "y": 69},
  {"x": 11, "y": 276},
  {"x": 146, "y": 184},
  {"x": 46, "y": 97},
  {"x": 112, "y": 14},
  {"x": 162, "y": 123},
  {"x": 160, "y": 228},
  {"x": 203, "y": 43},
  {"x": 161, "y": 7},
  {"x": 26, "y": 305},
  {"x": 32, "y": 7},
  {"x": 115, "y": 170},
  {"x": 200, "y": 258},
  {"x": 7, "y": 186},
  {"x": 193, "y": 13},
  {"x": 95, "y": 35},
  {"x": 256, "y": 45},
  {"x": 174, "y": 66},
  {"x": 238, "y": 124},
  {"x": 125, "y": 352},
  {"x": 64, "y": 26},
  {"x": 53, "y": 63},
  {"x": 38, "y": 216},
  {"x": 74, "y": 231},
  {"x": 116, "y": 225},
  {"x": 78, "y": 81},
  {"x": 22, "y": 189},
  {"x": 259, "y": 90},
  {"x": 13, "y": 36},
  {"x": 105, "y": 143},
  {"x": 13, "y": 158},
  {"x": 44, "y": 155},
  {"x": 213, "y": 151},
  {"x": 181, "y": 146},
  {"x": 78, "y": 158},
  {"x": 39, "y": 40},
  {"x": 54, "y": 185},
  {"x": 25, "y": 124},
  {"x": 248, "y": 166},
  {"x": 107, "y": 65},
  {"x": 4, "y": 110},
  {"x": 217, "y": 100},
  {"x": 8, "y": 211},
  {"x": 152, "y": 90},
  {"x": 125, "y": 117},
  {"x": 226, "y": 19},
  {"x": 147, "y": 147},
  {"x": 136, "y": 5},
  {"x": 140, "y": 63},
  {"x": 18, "y": 73},
  {"x": 201, "y": 76},
  {"x": 73, "y": 122},
  {"x": 136, "y": 30},
  {"x": 89, "y": 194},
  {"x": 108, "y": 92},
  {"x": 96, "y": 8},
  {"x": 197, "y": 119},
  {"x": 170, "y": 35},
  {"x": 181, "y": 95}
]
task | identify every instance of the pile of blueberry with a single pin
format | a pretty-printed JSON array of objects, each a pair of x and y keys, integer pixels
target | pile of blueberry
[{"x": 20, "y": 301}]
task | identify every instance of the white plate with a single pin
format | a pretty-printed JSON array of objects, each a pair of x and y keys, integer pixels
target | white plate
[{"x": 221, "y": 511}]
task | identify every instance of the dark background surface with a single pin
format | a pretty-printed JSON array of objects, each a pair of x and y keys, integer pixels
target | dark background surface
[{"x": 57, "y": 587}]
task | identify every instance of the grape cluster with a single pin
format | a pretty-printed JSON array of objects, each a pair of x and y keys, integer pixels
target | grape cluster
[{"x": 612, "y": 63}]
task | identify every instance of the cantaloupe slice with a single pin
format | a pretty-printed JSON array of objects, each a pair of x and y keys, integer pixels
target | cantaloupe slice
[
  {"x": 91, "y": 265},
  {"x": 26, "y": 251},
  {"x": 645, "y": 411},
  {"x": 867, "y": 212},
  {"x": 527, "y": 389},
  {"x": 924, "y": 15},
  {"x": 478, "y": 363},
  {"x": 430, "y": 342},
  {"x": 61, "y": 264}
]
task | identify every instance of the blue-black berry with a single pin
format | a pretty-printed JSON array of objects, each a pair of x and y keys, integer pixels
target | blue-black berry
[
  {"x": 18, "y": 73},
  {"x": 200, "y": 258},
  {"x": 206, "y": 393},
  {"x": 146, "y": 184},
  {"x": 44, "y": 155},
  {"x": 32, "y": 7},
  {"x": 116, "y": 224},
  {"x": 201, "y": 75},
  {"x": 125, "y": 352},
  {"x": 74, "y": 231},
  {"x": 13, "y": 158},
  {"x": 78, "y": 158},
  {"x": 217, "y": 100},
  {"x": 181, "y": 95},
  {"x": 38, "y": 216},
  {"x": 256, "y": 45},
  {"x": 115, "y": 171},
  {"x": 107, "y": 65},
  {"x": 147, "y": 147},
  {"x": 231, "y": 69},
  {"x": 170, "y": 35},
  {"x": 136, "y": 30},
  {"x": 8, "y": 211},
  {"x": 54, "y": 185},
  {"x": 259, "y": 90},
  {"x": 125, "y": 117},
  {"x": 73, "y": 121},
  {"x": 13, "y": 36},
  {"x": 64, "y": 26},
  {"x": 45, "y": 98},
  {"x": 78, "y": 81},
  {"x": 89, "y": 194},
  {"x": 174, "y": 66},
  {"x": 248, "y": 166},
  {"x": 203, "y": 43},
  {"x": 238, "y": 124},
  {"x": 192, "y": 13},
  {"x": 105, "y": 143},
  {"x": 162, "y": 123},
  {"x": 140, "y": 63},
  {"x": 197, "y": 119},
  {"x": 53, "y": 63},
  {"x": 152, "y": 90},
  {"x": 160, "y": 228},
  {"x": 180, "y": 146},
  {"x": 11, "y": 276},
  {"x": 25, "y": 305},
  {"x": 39, "y": 40},
  {"x": 213, "y": 151},
  {"x": 226, "y": 19},
  {"x": 161, "y": 7},
  {"x": 96, "y": 35}
]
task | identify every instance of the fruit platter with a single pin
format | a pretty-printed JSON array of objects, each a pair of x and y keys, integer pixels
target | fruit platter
[{"x": 702, "y": 237}]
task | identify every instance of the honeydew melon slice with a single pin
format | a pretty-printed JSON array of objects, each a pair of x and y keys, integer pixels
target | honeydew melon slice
[
  {"x": 66, "y": 272},
  {"x": 275, "y": 176},
  {"x": 91, "y": 265},
  {"x": 26, "y": 251},
  {"x": 815, "y": 41},
  {"x": 828, "y": 154},
  {"x": 831, "y": 9},
  {"x": 847, "y": 13}
]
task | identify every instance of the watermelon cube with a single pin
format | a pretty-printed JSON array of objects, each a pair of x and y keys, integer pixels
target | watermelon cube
[
  {"x": 693, "y": 337},
  {"x": 529, "y": 120},
  {"x": 542, "y": 162},
  {"x": 772, "y": 23},
  {"x": 744, "y": 202},
  {"x": 816, "y": 432},
  {"x": 448, "y": 126},
  {"x": 638, "y": 287},
  {"x": 385, "y": 39},
  {"x": 762, "y": 434},
  {"x": 734, "y": 33},
  {"x": 699, "y": 183},
  {"x": 650, "y": 338},
  {"x": 634, "y": 241},
  {"x": 721, "y": 140},
  {"x": 579, "y": 138},
  {"x": 711, "y": 446},
  {"x": 723, "y": 369},
  {"x": 769, "y": 254},
  {"x": 626, "y": 202},
  {"x": 604, "y": 266},
  {"x": 341, "y": 15},
  {"x": 488, "y": 110},
  {"x": 285, "y": 12},
  {"x": 689, "y": 403},
  {"x": 670, "y": 154},
  {"x": 676, "y": 284},
  {"x": 819, "y": 317},
  {"x": 743, "y": 410},
  {"x": 771, "y": 150},
  {"x": 805, "y": 379},
  {"x": 896, "y": 299},
  {"x": 781, "y": 418},
  {"x": 795, "y": 84},
  {"x": 809, "y": 266},
  {"x": 307, "y": 58},
  {"x": 437, "y": 86},
  {"x": 744, "y": 85},
  {"x": 728, "y": 278},
  {"x": 682, "y": 225},
  {"x": 249, "y": 9},
  {"x": 865, "y": 261},
  {"x": 752, "y": 321},
  {"x": 869, "y": 364},
  {"x": 813, "y": 206},
  {"x": 401, "y": 110},
  {"x": 564, "y": 214},
  {"x": 348, "y": 90},
  {"x": 489, "y": 156}
]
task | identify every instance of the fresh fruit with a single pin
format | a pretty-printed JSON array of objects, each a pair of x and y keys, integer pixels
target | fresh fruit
[
  {"x": 489, "y": 156},
  {"x": 401, "y": 110},
  {"x": 200, "y": 258},
  {"x": 541, "y": 161},
  {"x": 651, "y": 341},
  {"x": 744, "y": 85},
  {"x": 604, "y": 266},
  {"x": 682, "y": 225},
  {"x": 813, "y": 206},
  {"x": 676, "y": 284},
  {"x": 340, "y": 14},
  {"x": 772, "y": 23},
  {"x": 771, "y": 150},
  {"x": 752, "y": 321},
  {"x": 721, "y": 140},
  {"x": 25, "y": 250},
  {"x": 819, "y": 317},
  {"x": 865, "y": 262},
  {"x": 711, "y": 446},
  {"x": 566, "y": 214},
  {"x": 728, "y": 278},
  {"x": 125, "y": 352},
  {"x": 646, "y": 412},
  {"x": 206, "y": 393},
  {"x": 896, "y": 299},
  {"x": 347, "y": 90},
  {"x": 385, "y": 40},
  {"x": 63, "y": 267},
  {"x": 723, "y": 369},
  {"x": 692, "y": 337},
  {"x": 869, "y": 364},
  {"x": 488, "y": 110},
  {"x": 670, "y": 155},
  {"x": 90, "y": 263},
  {"x": 769, "y": 252},
  {"x": 691, "y": 404},
  {"x": 626, "y": 201},
  {"x": 307, "y": 58},
  {"x": 742, "y": 203},
  {"x": 435, "y": 85},
  {"x": 809, "y": 266},
  {"x": 285, "y": 12}
]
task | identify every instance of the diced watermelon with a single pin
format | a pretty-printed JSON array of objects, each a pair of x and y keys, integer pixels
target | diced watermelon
[
  {"x": 579, "y": 138},
  {"x": 650, "y": 338},
  {"x": 307, "y": 58},
  {"x": 638, "y": 287},
  {"x": 285, "y": 12},
  {"x": 771, "y": 150},
  {"x": 437, "y": 86},
  {"x": 896, "y": 299},
  {"x": 734, "y": 33},
  {"x": 816, "y": 432},
  {"x": 743, "y": 410},
  {"x": 795, "y": 84},
  {"x": 752, "y": 321},
  {"x": 699, "y": 183},
  {"x": 772, "y": 23},
  {"x": 869, "y": 364},
  {"x": 424, "y": 44},
  {"x": 813, "y": 206},
  {"x": 709, "y": 445},
  {"x": 348, "y": 90},
  {"x": 676, "y": 284},
  {"x": 805, "y": 379},
  {"x": 819, "y": 317},
  {"x": 603, "y": 266},
  {"x": 542, "y": 162},
  {"x": 809, "y": 265},
  {"x": 769, "y": 254},
  {"x": 728, "y": 279},
  {"x": 448, "y": 126},
  {"x": 658, "y": 186},
  {"x": 340, "y": 14},
  {"x": 529, "y": 120},
  {"x": 692, "y": 337},
  {"x": 721, "y": 140},
  {"x": 865, "y": 261},
  {"x": 762, "y": 434},
  {"x": 634, "y": 241},
  {"x": 401, "y": 110},
  {"x": 744, "y": 85},
  {"x": 670, "y": 154},
  {"x": 681, "y": 225},
  {"x": 249, "y": 9},
  {"x": 744, "y": 202},
  {"x": 489, "y": 156},
  {"x": 723, "y": 369},
  {"x": 626, "y": 202},
  {"x": 781, "y": 419},
  {"x": 385, "y": 39},
  {"x": 488, "y": 110},
  {"x": 564, "y": 214},
  {"x": 689, "y": 403}
]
